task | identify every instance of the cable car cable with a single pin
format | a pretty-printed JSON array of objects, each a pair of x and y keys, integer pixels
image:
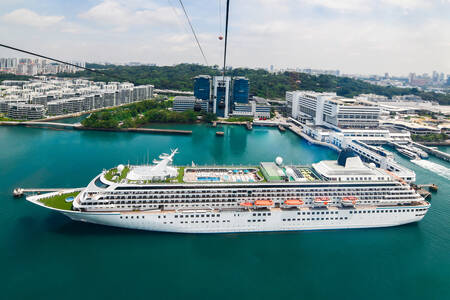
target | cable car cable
[
  {"x": 193, "y": 31},
  {"x": 63, "y": 62}
]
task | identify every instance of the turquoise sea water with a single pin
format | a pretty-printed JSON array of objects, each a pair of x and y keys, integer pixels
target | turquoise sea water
[{"x": 45, "y": 255}]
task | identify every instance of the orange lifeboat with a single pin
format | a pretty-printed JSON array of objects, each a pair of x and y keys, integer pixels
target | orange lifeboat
[
  {"x": 294, "y": 202},
  {"x": 349, "y": 201},
  {"x": 246, "y": 204},
  {"x": 263, "y": 202},
  {"x": 321, "y": 201}
]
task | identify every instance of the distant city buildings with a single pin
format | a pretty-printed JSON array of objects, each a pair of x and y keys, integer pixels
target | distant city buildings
[
  {"x": 36, "y": 98},
  {"x": 32, "y": 67}
]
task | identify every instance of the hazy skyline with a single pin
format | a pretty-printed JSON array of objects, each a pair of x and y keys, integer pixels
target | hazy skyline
[{"x": 354, "y": 36}]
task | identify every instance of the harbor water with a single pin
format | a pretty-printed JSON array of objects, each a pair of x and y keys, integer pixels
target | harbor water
[{"x": 45, "y": 255}]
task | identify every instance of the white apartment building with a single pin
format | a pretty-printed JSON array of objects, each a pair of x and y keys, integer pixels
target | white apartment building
[
  {"x": 21, "y": 111},
  {"x": 251, "y": 109},
  {"x": 327, "y": 109}
]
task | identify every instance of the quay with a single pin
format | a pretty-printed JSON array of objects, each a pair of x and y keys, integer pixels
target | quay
[
  {"x": 433, "y": 151},
  {"x": 298, "y": 131},
  {"x": 78, "y": 126},
  {"x": 139, "y": 130},
  {"x": 19, "y": 192}
]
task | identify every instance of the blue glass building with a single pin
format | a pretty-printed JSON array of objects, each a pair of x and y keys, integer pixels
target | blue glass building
[
  {"x": 241, "y": 89},
  {"x": 202, "y": 87}
]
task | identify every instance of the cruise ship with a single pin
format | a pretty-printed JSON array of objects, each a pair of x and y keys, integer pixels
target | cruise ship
[{"x": 271, "y": 196}]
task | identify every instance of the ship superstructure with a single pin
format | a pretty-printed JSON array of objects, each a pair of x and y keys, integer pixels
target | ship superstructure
[{"x": 270, "y": 197}]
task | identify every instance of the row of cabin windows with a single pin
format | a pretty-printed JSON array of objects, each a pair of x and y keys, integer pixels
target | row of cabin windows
[
  {"x": 132, "y": 217},
  {"x": 203, "y": 221},
  {"x": 256, "y": 220},
  {"x": 261, "y": 214},
  {"x": 266, "y": 194},
  {"x": 287, "y": 192},
  {"x": 198, "y": 216},
  {"x": 318, "y": 213},
  {"x": 315, "y": 219},
  {"x": 386, "y": 211}
]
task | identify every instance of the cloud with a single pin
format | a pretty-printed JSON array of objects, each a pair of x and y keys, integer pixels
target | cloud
[
  {"x": 121, "y": 18},
  {"x": 344, "y": 5},
  {"x": 27, "y": 17},
  {"x": 408, "y": 4}
]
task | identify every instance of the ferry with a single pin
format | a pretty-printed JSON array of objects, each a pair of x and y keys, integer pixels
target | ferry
[
  {"x": 271, "y": 196},
  {"x": 407, "y": 153}
]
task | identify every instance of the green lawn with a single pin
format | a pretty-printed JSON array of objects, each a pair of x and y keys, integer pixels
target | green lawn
[
  {"x": 180, "y": 174},
  {"x": 110, "y": 174},
  {"x": 59, "y": 201}
]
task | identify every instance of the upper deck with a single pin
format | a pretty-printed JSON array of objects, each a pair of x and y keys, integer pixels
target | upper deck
[
  {"x": 266, "y": 172},
  {"x": 163, "y": 173}
]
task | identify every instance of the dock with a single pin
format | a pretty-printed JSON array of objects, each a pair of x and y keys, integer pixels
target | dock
[
  {"x": 433, "y": 151},
  {"x": 431, "y": 186},
  {"x": 78, "y": 126}
]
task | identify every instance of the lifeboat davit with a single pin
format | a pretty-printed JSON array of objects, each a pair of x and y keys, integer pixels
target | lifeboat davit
[
  {"x": 263, "y": 202},
  {"x": 294, "y": 202},
  {"x": 321, "y": 201},
  {"x": 349, "y": 201},
  {"x": 246, "y": 204}
]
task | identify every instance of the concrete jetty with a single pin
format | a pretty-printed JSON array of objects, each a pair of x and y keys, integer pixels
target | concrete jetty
[
  {"x": 78, "y": 126},
  {"x": 433, "y": 151}
]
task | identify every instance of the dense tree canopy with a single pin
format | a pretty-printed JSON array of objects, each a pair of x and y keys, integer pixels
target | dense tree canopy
[
  {"x": 138, "y": 114},
  {"x": 262, "y": 83}
]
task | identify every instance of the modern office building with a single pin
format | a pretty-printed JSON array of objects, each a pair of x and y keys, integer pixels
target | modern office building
[
  {"x": 183, "y": 103},
  {"x": 221, "y": 96},
  {"x": 22, "y": 111},
  {"x": 327, "y": 109},
  {"x": 222, "y": 92},
  {"x": 202, "y": 87},
  {"x": 241, "y": 90}
]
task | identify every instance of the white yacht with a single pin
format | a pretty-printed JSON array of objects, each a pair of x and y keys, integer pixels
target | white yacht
[{"x": 269, "y": 197}]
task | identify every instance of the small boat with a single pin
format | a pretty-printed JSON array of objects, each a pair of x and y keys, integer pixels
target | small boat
[
  {"x": 349, "y": 201},
  {"x": 246, "y": 204},
  {"x": 281, "y": 128},
  {"x": 263, "y": 203},
  {"x": 249, "y": 126},
  {"x": 293, "y": 202},
  {"x": 433, "y": 187},
  {"x": 220, "y": 133},
  {"x": 321, "y": 201},
  {"x": 18, "y": 192}
]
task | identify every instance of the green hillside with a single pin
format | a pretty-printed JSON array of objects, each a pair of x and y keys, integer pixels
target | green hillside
[{"x": 262, "y": 83}]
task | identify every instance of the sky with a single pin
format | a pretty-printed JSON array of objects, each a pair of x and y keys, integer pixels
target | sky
[{"x": 354, "y": 36}]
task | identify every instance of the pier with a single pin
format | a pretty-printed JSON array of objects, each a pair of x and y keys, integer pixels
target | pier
[
  {"x": 78, "y": 126},
  {"x": 433, "y": 151},
  {"x": 298, "y": 131}
]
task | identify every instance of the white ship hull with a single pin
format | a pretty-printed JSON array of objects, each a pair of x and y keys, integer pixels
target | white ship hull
[
  {"x": 223, "y": 200},
  {"x": 229, "y": 222}
]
